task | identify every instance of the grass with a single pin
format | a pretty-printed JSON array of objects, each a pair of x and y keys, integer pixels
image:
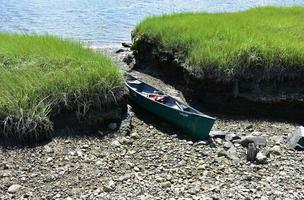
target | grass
[
  {"x": 261, "y": 43},
  {"x": 42, "y": 75}
]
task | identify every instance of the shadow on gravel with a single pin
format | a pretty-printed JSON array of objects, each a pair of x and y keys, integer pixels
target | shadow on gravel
[
  {"x": 161, "y": 125},
  {"x": 64, "y": 133}
]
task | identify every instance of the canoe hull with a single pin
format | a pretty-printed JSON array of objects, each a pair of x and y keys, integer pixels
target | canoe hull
[{"x": 196, "y": 126}]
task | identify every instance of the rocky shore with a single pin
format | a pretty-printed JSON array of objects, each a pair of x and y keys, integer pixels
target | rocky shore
[{"x": 156, "y": 161}]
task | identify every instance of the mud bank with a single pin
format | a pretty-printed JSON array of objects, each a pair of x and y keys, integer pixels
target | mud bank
[
  {"x": 86, "y": 118},
  {"x": 249, "y": 96}
]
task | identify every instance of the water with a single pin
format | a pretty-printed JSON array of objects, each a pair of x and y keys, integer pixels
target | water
[{"x": 104, "y": 22}]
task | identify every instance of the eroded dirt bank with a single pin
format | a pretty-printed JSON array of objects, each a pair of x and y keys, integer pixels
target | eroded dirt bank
[
  {"x": 250, "y": 95},
  {"x": 87, "y": 114}
]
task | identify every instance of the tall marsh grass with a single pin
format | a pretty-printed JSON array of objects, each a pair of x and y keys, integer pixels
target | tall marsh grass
[
  {"x": 260, "y": 43},
  {"x": 41, "y": 75}
]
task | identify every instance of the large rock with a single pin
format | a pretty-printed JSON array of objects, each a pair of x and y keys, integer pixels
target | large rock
[
  {"x": 232, "y": 137},
  {"x": 295, "y": 139},
  {"x": 257, "y": 140}
]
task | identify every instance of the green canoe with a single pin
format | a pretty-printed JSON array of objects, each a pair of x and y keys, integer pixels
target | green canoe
[{"x": 193, "y": 122}]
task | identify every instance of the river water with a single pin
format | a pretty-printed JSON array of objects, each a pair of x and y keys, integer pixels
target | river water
[{"x": 105, "y": 22}]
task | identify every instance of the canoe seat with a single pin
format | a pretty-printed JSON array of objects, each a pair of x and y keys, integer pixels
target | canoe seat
[
  {"x": 136, "y": 82},
  {"x": 182, "y": 106}
]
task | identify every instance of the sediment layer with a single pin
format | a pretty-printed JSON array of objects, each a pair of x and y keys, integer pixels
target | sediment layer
[{"x": 250, "y": 95}]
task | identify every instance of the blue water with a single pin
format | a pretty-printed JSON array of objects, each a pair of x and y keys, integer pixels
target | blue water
[{"x": 104, "y": 22}]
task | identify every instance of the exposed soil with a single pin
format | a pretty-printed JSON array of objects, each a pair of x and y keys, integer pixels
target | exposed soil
[
  {"x": 252, "y": 96},
  {"x": 155, "y": 161},
  {"x": 85, "y": 117}
]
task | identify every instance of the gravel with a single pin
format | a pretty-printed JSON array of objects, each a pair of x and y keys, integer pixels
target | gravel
[{"x": 156, "y": 161}]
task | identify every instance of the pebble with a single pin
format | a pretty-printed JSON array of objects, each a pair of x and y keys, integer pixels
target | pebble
[
  {"x": 134, "y": 135},
  {"x": 201, "y": 143},
  {"x": 275, "y": 150},
  {"x": 99, "y": 162},
  {"x": 218, "y": 134},
  {"x": 277, "y": 139},
  {"x": 79, "y": 153},
  {"x": 48, "y": 149},
  {"x": 115, "y": 143},
  {"x": 222, "y": 153},
  {"x": 165, "y": 184},
  {"x": 126, "y": 141},
  {"x": 227, "y": 145},
  {"x": 261, "y": 158},
  {"x": 14, "y": 188},
  {"x": 109, "y": 187},
  {"x": 190, "y": 142}
]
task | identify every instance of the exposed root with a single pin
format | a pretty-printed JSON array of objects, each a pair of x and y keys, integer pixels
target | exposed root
[
  {"x": 36, "y": 129},
  {"x": 26, "y": 130}
]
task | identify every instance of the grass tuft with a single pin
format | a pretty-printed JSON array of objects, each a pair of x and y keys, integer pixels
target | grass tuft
[
  {"x": 261, "y": 43},
  {"x": 42, "y": 75}
]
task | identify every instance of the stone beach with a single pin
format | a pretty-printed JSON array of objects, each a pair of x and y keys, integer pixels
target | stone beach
[{"x": 156, "y": 161}]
